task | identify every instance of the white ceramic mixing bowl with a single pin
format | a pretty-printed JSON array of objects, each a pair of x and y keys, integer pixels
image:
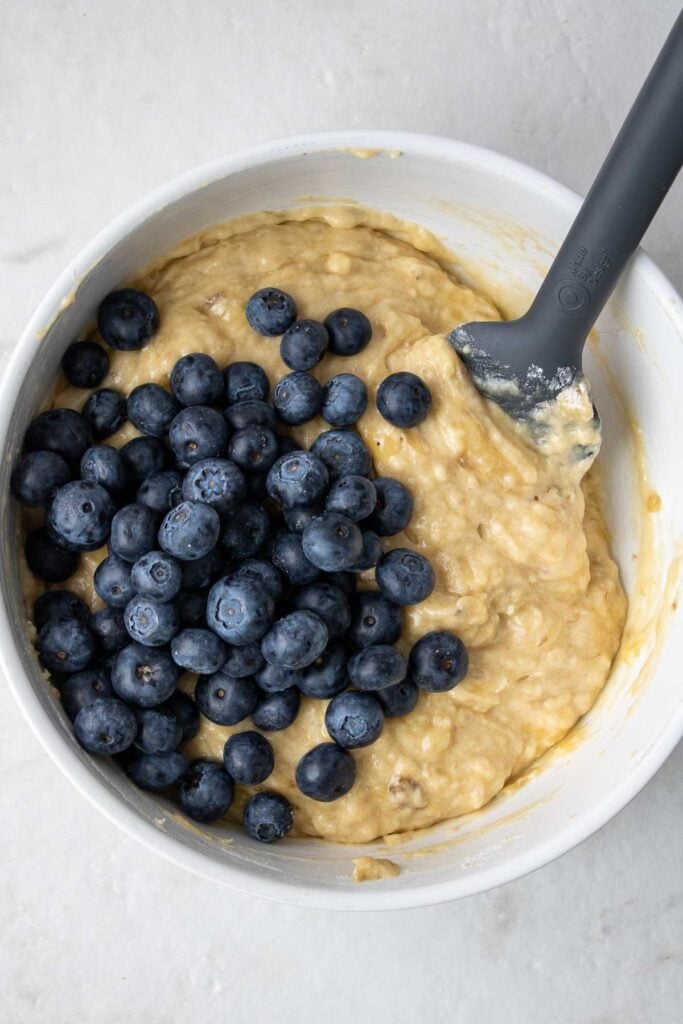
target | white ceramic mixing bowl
[{"x": 503, "y": 220}]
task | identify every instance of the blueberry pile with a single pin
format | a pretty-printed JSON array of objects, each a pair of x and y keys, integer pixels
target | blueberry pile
[{"x": 234, "y": 554}]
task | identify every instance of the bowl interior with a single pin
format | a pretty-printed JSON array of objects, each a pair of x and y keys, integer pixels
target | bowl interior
[{"x": 503, "y": 222}]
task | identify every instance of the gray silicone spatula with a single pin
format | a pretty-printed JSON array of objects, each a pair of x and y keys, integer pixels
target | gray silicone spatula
[{"x": 521, "y": 363}]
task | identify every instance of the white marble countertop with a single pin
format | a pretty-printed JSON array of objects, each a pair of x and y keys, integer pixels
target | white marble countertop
[{"x": 101, "y": 101}]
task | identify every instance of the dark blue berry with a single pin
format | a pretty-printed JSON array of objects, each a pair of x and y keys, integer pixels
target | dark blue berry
[
  {"x": 244, "y": 661},
  {"x": 345, "y": 399},
  {"x": 37, "y": 478},
  {"x": 158, "y": 731},
  {"x": 371, "y": 553},
  {"x": 224, "y": 699},
  {"x": 275, "y": 678},
  {"x": 58, "y": 604},
  {"x": 196, "y": 380},
  {"x": 438, "y": 661},
  {"x": 248, "y": 758},
  {"x": 105, "y": 412},
  {"x": 112, "y": 581},
  {"x": 270, "y": 311},
  {"x": 345, "y": 581},
  {"x": 85, "y": 364},
  {"x": 143, "y": 676},
  {"x": 329, "y": 603},
  {"x": 327, "y": 675},
  {"x": 161, "y": 491},
  {"x": 349, "y": 331},
  {"x": 262, "y": 572},
  {"x": 297, "y": 479},
  {"x": 104, "y": 465},
  {"x": 157, "y": 575},
  {"x": 82, "y": 688},
  {"x": 156, "y": 771},
  {"x": 47, "y": 560},
  {"x": 288, "y": 444},
  {"x": 109, "y": 630},
  {"x": 245, "y": 382},
  {"x": 63, "y": 431},
  {"x": 303, "y": 344},
  {"x": 152, "y": 409},
  {"x": 190, "y": 530},
  {"x": 354, "y": 719},
  {"x": 198, "y": 432},
  {"x": 127, "y": 319},
  {"x": 352, "y": 496},
  {"x": 256, "y": 486},
  {"x": 205, "y": 792},
  {"x": 216, "y": 482},
  {"x": 151, "y": 622},
  {"x": 405, "y": 576},
  {"x": 198, "y": 650},
  {"x": 295, "y": 641},
  {"x": 276, "y": 711},
  {"x": 239, "y": 611},
  {"x": 144, "y": 456},
  {"x": 404, "y": 399},
  {"x": 105, "y": 726},
  {"x": 133, "y": 532},
  {"x": 326, "y": 772},
  {"x": 185, "y": 712},
  {"x": 80, "y": 515},
  {"x": 65, "y": 645},
  {"x": 297, "y": 519},
  {"x": 254, "y": 448},
  {"x": 297, "y": 398},
  {"x": 202, "y": 572},
  {"x": 374, "y": 620},
  {"x": 399, "y": 699},
  {"x": 375, "y": 668},
  {"x": 343, "y": 452},
  {"x": 393, "y": 507},
  {"x": 251, "y": 412},
  {"x": 244, "y": 533},
  {"x": 332, "y": 542},
  {"x": 191, "y": 606},
  {"x": 288, "y": 556},
  {"x": 268, "y": 817}
]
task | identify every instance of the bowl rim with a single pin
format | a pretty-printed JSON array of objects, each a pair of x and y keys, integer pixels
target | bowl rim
[{"x": 56, "y": 743}]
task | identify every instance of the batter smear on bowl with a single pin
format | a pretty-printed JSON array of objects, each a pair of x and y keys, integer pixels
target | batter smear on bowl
[{"x": 512, "y": 530}]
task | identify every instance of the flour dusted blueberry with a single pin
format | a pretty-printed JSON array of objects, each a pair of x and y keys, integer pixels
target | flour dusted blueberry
[
  {"x": 438, "y": 661},
  {"x": 144, "y": 676},
  {"x": 245, "y": 382},
  {"x": 144, "y": 456},
  {"x": 375, "y": 668},
  {"x": 206, "y": 791},
  {"x": 152, "y": 409},
  {"x": 288, "y": 556},
  {"x": 297, "y": 479},
  {"x": 65, "y": 645},
  {"x": 343, "y": 452},
  {"x": 63, "y": 431},
  {"x": 352, "y": 496},
  {"x": 149, "y": 622},
  {"x": 190, "y": 530},
  {"x": 304, "y": 344},
  {"x": 354, "y": 719},
  {"x": 399, "y": 699},
  {"x": 405, "y": 576},
  {"x": 80, "y": 515},
  {"x": 198, "y": 650},
  {"x": 197, "y": 380},
  {"x": 345, "y": 399},
  {"x": 161, "y": 491},
  {"x": 404, "y": 399},
  {"x": 276, "y": 711},
  {"x": 133, "y": 532},
  {"x": 295, "y": 641},
  {"x": 327, "y": 675},
  {"x": 127, "y": 319},
  {"x": 156, "y": 771},
  {"x": 329, "y": 603},
  {"x": 297, "y": 398},
  {"x": 83, "y": 688},
  {"x": 248, "y": 758},
  {"x": 108, "y": 627},
  {"x": 332, "y": 542},
  {"x": 105, "y": 726},
  {"x": 158, "y": 731},
  {"x": 217, "y": 482},
  {"x": 37, "y": 477},
  {"x": 104, "y": 465},
  {"x": 112, "y": 581},
  {"x": 157, "y": 575},
  {"x": 226, "y": 699},
  {"x": 268, "y": 817},
  {"x": 198, "y": 432},
  {"x": 245, "y": 532},
  {"x": 374, "y": 620},
  {"x": 47, "y": 560},
  {"x": 239, "y": 611},
  {"x": 56, "y": 604},
  {"x": 254, "y": 448},
  {"x": 85, "y": 364},
  {"x": 105, "y": 412},
  {"x": 349, "y": 331},
  {"x": 326, "y": 773}
]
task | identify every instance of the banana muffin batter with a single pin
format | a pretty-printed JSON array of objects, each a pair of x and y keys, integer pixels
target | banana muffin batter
[{"x": 515, "y": 536}]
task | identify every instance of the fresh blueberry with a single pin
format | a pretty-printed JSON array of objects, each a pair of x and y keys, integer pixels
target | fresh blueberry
[
  {"x": 158, "y": 731},
  {"x": 371, "y": 553},
  {"x": 251, "y": 412},
  {"x": 144, "y": 456},
  {"x": 151, "y": 622},
  {"x": 156, "y": 575},
  {"x": 161, "y": 491},
  {"x": 262, "y": 572},
  {"x": 133, "y": 532},
  {"x": 297, "y": 398},
  {"x": 326, "y": 772},
  {"x": 256, "y": 486},
  {"x": 65, "y": 645},
  {"x": 399, "y": 699},
  {"x": 216, "y": 482},
  {"x": 297, "y": 519},
  {"x": 245, "y": 382},
  {"x": 329, "y": 603},
  {"x": 198, "y": 650},
  {"x": 343, "y": 453},
  {"x": 248, "y": 758},
  {"x": 239, "y": 611},
  {"x": 190, "y": 530},
  {"x": 288, "y": 556},
  {"x": 244, "y": 661},
  {"x": 276, "y": 711},
  {"x": 375, "y": 668},
  {"x": 327, "y": 675},
  {"x": 244, "y": 534},
  {"x": 253, "y": 448},
  {"x": 85, "y": 364},
  {"x": 202, "y": 572},
  {"x": 345, "y": 399},
  {"x": 393, "y": 507},
  {"x": 352, "y": 496},
  {"x": 224, "y": 699},
  {"x": 105, "y": 726},
  {"x": 349, "y": 331},
  {"x": 80, "y": 515},
  {"x": 404, "y": 399},
  {"x": 191, "y": 607},
  {"x": 63, "y": 431},
  {"x": 82, "y": 688},
  {"x": 104, "y": 465},
  {"x": 112, "y": 581},
  {"x": 37, "y": 478},
  {"x": 144, "y": 677},
  {"x": 47, "y": 560},
  {"x": 198, "y": 432},
  {"x": 185, "y": 712},
  {"x": 270, "y": 311},
  {"x": 152, "y": 409},
  {"x": 295, "y": 641},
  {"x": 156, "y": 771},
  {"x": 303, "y": 344},
  {"x": 374, "y": 620},
  {"x": 205, "y": 792},
  {"x": 196, "y": 380},
  {"x": 438, "y": 661},
  {"x": 109, "y": 630},
  {"x": 354, "y": 719},
  {"x": 268, "y": 817},
  {"x": 405, "y": 576},
  {"x": 105, "y": 412},
  {"x": 58, "y": 604},
  {"x": 127, "y": 319},
  {"x": 332, "y": 542},
  {"x": 344, "y": 581},
  {"x": 297, "y": 479},
  {"x": 275, "y": 678}
]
